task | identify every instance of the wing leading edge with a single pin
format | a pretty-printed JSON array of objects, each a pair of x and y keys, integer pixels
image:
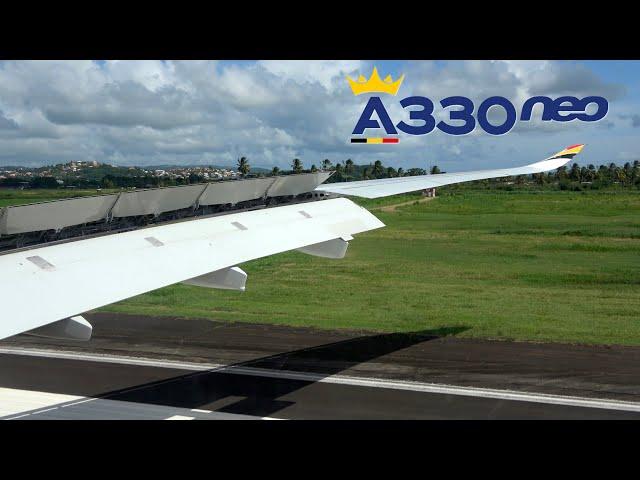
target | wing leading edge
[{"x": 392, "y": 186}]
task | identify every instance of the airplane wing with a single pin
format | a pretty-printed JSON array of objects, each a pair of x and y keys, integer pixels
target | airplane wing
[
  {"x": 43, "y": 285},
  {"x": 44, "y": 289},
  {"x": 392, "y": 186}
]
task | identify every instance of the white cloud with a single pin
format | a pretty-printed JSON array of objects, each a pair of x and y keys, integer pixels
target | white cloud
[
  {"x": 152, "y": 112},
  {"x": 324, "y": 72},
  {"x": 151, "y": 74}
]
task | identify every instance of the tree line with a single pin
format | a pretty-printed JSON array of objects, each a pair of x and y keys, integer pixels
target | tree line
[
  {"x": 604, "y": 175},
  {"x": 573, "y": 177},
  {"x": 343, "y": 172}
]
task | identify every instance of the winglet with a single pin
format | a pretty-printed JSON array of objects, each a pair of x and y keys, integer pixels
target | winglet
[{"x": 568, "y": 152}]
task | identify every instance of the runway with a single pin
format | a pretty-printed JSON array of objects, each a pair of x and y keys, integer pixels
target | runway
[
  {"x": 194, "y": 370},
  {"x": 33, "y": 405}
]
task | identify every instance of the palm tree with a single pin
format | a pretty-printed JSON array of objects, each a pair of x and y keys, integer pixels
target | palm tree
[
  {"x": 391, "y": 172},
  {"x": 326, "y": 164},
  {"x": 275, "y": 171},
  {"x": 434, "y": 170},
  {"x": 296, "y": 165},
  {"x": 348, "y": 166},
  {"x": 561, "y": 172},
  {"x": 314, "y": 169},
  {"x": 619, "y": 175},
  {"x": 401, "y": 172},
  {"x": 538, "y": 178},
  {"x": 602, "y": 172},
  {"x": 627, "y": 169},
  {"x": 243, "y": 165},
  {"x": 378, "y": 169},
  {"x": 574, "y": 174}
]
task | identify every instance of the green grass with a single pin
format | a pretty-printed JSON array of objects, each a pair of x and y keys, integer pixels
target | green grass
[
  {"x": 552, "y": 266},
  {"x": 17, "y": 197}
]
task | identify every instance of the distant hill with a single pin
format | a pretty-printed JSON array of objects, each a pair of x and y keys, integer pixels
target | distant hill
[
  {"x": 221, "y": 167},
  {"x": 123, "y": 168}
]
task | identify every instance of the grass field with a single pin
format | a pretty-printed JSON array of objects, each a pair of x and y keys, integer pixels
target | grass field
[
  {"x": 17, "y": 197},
  {"x": 552, "y": 266}
]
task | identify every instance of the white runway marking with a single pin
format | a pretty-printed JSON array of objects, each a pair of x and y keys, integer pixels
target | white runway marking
[
  {"x": 22, "y": 404},
  {"x": 16, "y": 401},
  {"x": 341, "y": 379}
]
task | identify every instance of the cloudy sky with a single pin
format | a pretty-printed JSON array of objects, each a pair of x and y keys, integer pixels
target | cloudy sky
[{"x": 212, "y": 112}]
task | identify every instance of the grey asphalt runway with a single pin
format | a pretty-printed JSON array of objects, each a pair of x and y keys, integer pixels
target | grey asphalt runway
[{"x": 168, "y": 368}]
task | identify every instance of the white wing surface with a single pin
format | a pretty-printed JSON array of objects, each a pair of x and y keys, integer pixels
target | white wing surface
[
  {"x": 392, "y": 186},
  {"x": 43, "y": 285}
]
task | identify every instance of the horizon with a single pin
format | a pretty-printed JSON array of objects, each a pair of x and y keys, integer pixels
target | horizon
[
  {"x": 306, "y": 168},
  {"x": 318, "y": 165}
]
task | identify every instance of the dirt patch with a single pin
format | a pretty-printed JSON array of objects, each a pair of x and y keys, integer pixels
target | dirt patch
[{"x": 394, "y": 207}]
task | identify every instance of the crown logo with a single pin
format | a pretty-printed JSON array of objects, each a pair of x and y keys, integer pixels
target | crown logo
[{"x": 375, "y": 84}]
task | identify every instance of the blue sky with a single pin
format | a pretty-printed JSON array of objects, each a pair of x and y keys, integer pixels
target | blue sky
[
  {"x": 207, "y": 112},
  {"x": 622, "y": 71}
]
